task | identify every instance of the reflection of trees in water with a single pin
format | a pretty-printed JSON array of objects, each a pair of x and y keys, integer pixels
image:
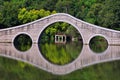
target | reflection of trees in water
[
  {"x": 60, "y": 54},
  {"x": 55, "y": 54},
  {"x": 98, "y": 44},
  {"x": 74, "y": 49},
  {"x": 22, "y": 42}
]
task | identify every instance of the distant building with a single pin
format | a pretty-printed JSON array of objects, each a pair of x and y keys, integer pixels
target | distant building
[{"x": 60, "y": 38}]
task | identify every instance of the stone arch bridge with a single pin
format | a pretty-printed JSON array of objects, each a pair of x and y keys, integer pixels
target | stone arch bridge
[{"x": 34, "y": 57}]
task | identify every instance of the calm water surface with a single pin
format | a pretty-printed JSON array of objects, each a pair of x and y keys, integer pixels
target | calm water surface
[
  {"x": 17, "y": 70},
  {"x": 61, "y": 53}
]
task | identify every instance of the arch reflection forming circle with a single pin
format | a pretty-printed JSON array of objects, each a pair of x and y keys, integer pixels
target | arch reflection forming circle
[{"x": 60, "y": 43}]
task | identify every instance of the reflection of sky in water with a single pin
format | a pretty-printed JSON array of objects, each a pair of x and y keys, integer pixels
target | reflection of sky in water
[{"x": 61, "y": 53}]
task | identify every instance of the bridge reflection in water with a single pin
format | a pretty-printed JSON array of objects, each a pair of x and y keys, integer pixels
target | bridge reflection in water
[{"x": 34, "y": 57}]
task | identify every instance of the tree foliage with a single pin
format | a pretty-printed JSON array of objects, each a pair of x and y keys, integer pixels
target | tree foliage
[
  {"x": 104, "y": 13},
  {"x": 25, "y": 15},
  {"x": 8, "y": 15},
  {"x": 109, "y": 16}
]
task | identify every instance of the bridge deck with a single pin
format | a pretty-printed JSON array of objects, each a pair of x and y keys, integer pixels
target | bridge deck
[{"x": 34, "y": 57}]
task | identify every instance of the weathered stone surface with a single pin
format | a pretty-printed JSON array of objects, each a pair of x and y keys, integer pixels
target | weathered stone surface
[
  {"x": 34, "y": 56},
  {"x": 35, "y": 28}
]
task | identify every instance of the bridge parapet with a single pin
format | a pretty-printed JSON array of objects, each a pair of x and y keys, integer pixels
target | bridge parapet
[{"x": 35, "y": 28}]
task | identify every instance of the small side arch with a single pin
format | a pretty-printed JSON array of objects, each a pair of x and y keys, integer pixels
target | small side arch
[
  {"x": 99, "y": 35},
  {"x": 21, "y": 33},
  {"x": 96, "y": 43},
  {"x": 26, "y": 42}
]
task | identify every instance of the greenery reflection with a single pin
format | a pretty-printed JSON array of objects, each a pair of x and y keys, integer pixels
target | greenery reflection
[
  {"x": 98, "y": 44},
  {"x": 60, "y": 43},
  {"x": 22, "y": 42},
  {"x": 61, "y": 54}
]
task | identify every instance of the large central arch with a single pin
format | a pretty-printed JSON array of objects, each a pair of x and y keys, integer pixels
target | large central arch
[
  {"x": 59, "y": 20},
  {"x": 35, "y": 28}
]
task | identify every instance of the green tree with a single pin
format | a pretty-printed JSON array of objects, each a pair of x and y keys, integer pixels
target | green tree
[
  {"x": 80, "y": 8},
  {"x": 25, "y": 15},
  {"x": 92, "y": 15},
  {"x": 63, "y": 6},
  {"x": 109, "y": 16},
  {"x": 49, "y": 4},
  {"x": 101, "y": 12},
  {"x": 9, "y": 13}
]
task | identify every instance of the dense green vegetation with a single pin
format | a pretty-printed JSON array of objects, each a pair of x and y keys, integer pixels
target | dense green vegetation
[
  {"x": 25, "y": 15},
  {"x": 105, "y": 13},
  {"x": 16, "y": 70}
]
